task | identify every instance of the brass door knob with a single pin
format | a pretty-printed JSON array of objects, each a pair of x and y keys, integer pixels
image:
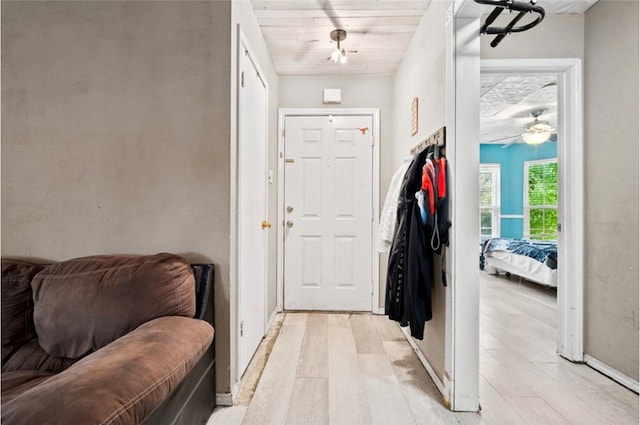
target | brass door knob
[{"x": 266, "y": 225}]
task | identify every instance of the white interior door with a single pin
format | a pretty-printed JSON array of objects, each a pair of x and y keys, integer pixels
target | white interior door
[
  {"x": 328, "y": 213},
  {"x": 252, "y": 211}
]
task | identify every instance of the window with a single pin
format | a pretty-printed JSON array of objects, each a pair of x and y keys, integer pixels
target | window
[
  {"x": 489, "y": 201},
  {"x": 541, "y": 199}
]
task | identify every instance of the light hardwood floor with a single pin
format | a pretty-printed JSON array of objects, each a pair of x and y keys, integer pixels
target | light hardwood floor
[{"x": 357, "y": 369}]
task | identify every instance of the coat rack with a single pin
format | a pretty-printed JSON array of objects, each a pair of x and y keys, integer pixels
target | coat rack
[
  {"x": 500, "y": 5},
  {"x": 437, "y": 138}
]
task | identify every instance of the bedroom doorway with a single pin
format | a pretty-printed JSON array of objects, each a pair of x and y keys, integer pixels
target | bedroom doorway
[
  {"x": 531, "y": 190},
  {"x": 519, "y": 176}
]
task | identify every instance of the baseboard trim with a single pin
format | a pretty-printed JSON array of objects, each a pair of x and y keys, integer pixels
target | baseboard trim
[
  {"x": 226, "y": 399},
  {"x": 425, "y": 362},
  {"x": 612, "y": 373},
  {"x": 271, "y": 319}
]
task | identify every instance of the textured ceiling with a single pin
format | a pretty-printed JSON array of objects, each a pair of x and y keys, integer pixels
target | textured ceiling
[{"x": 507, "y": 103}]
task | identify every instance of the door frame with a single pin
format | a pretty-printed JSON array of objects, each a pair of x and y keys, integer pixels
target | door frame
[
  {"x": 570, "y": 342},
  {"x": 242, "y": 47},
  {"x": 283, "y": 113},
  {"x": 461, "y": 377}
]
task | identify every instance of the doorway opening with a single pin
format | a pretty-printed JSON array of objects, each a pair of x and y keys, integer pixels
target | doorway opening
[
  {"x": 518, "y": 212},
  {"x": 540, "y": 197}
]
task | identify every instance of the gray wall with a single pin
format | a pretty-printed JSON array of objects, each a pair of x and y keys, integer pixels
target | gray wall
[
  {"x": 115, "y": 134},
  {"x": 606, "y": 37},
  {"x": 357, "y": 92},
  {"x": 611, "y": 174},
  {"x": 557, "y": 36},
  {"x": 422, "y": 74}
]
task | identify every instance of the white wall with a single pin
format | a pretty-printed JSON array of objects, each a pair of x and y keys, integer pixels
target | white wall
[
  {"x": 611, "y": 195},
  {"x": 422, "y": 74}
]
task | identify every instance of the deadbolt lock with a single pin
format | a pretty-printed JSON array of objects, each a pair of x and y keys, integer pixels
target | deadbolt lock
[{"x": 289, "y": 209}]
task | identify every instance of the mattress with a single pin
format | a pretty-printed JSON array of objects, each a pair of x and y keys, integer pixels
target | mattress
[{"x": 535, "y": 261}]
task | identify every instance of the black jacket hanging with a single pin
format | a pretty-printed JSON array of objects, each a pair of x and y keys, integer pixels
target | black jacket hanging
[
  {"x": 408, "y": 292},
  {"x": 419, "y": 234}
]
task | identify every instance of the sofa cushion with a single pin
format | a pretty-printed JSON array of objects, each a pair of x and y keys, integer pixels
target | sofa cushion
[
  {"x": 120, "y": 384},
  {"x": 17, "y": 304},
  {"x": 84, "y": 303},
  {"x": 17, "y": 382},
  {"x": 31, "y": 356}
]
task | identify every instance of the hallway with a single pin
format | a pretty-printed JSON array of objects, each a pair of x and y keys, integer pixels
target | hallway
[{"x": 359, "y": 369}]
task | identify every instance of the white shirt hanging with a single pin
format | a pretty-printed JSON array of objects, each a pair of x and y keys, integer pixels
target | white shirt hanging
[{"x": 390, "y": 208}]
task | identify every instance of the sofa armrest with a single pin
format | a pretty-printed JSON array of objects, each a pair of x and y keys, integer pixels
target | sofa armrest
[{"x": 122, "y": 383}]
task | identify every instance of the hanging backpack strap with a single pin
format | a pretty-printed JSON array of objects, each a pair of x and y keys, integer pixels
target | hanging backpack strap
[
  {"x": 428, "y": 176},
  {"x": 444, "y": 267},
  {"x": 442, "y": 177}
]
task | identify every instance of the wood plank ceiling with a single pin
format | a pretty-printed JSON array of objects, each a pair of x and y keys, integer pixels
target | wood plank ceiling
[{"x": 297, "y": 34}]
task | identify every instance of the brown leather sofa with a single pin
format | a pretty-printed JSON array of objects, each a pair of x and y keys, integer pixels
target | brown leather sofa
[{"x": 102, "y": 340}]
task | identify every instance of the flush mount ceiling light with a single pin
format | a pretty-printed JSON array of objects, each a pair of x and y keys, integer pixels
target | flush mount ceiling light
[
  {"x": 338, "y": 54},
  {"x": 537, "y": 131}
]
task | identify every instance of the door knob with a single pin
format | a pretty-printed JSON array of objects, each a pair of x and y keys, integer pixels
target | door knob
[
  {"x": 289, "y": 209},
  {"x": 289, "y": 223},
  {"x": 266, "y": 225}
]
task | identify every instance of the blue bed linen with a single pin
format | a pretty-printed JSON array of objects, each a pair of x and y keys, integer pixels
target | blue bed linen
[{"x": 544, "y": 252}]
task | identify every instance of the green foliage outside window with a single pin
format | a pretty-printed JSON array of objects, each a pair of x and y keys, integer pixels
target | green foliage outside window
[
  {"x": 486, "y": 221},
  {"x": 489, "y": 200},
  {"x": 486, "y": 193},
  {"x": 543, "y": 200}
]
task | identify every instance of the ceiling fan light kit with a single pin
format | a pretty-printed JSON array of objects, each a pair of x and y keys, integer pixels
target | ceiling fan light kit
[
  {"x": 537, "y": 131},
  {"x": 338, "y": 54}
]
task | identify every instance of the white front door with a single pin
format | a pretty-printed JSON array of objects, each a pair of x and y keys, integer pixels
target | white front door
[
  {"x": 328, "y": 213},
  {"x": 252, "y": 211}
]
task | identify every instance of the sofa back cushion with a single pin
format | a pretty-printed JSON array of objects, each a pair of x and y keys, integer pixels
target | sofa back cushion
[
  {"x": 17, "y": 304},
  {"x": 85, "y": 303}
]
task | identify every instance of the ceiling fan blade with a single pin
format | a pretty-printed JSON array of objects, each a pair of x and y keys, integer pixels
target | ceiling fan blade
[
  {"x": 330, "y": 12},
  {"x": 504, "y": 138},
  {"x": 513, "y": 142}
]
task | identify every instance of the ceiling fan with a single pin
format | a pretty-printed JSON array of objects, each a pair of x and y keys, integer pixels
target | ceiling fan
[
  {"x": 339, "y": 54},
  {"x": 535, "y": 132}
]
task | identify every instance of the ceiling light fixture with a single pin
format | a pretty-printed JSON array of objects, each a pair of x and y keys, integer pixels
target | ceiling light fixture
[
  {"x": 537, "y": 131},
  {"x": 338, "y": 54}
]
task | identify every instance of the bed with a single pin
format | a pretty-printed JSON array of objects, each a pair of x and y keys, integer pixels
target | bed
[{"x": 536, "y": 261}]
